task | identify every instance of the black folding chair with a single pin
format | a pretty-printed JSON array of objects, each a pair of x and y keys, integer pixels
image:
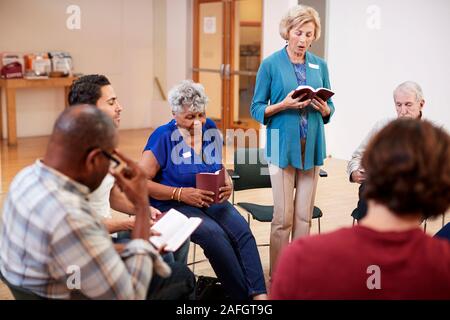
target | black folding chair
[{"x": 250, "y": 173}]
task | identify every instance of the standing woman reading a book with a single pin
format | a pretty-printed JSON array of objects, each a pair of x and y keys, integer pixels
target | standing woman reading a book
[
  {"x": 174, "y": 154},
  {"x": 295, "y": 130}
]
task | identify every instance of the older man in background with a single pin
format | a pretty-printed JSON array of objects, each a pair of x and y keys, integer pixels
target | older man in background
[{"x": 409, "y": 102}]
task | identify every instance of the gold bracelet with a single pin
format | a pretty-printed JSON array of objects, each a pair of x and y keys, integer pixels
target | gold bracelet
[
  {"x": 179, "y": 194},
  {"x": 176, "y": 194},
  {"x": 173, "y": 193}
]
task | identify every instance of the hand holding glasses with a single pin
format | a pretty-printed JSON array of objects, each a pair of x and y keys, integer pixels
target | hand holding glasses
[
  {"x": 117, "y": 165},
  {"x": 132, "y": 180},
  {"x": 130, "y": 177}
]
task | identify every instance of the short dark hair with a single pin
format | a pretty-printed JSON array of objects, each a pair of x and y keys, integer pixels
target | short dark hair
[
  {"x": 408, "y": 168},
  {"x": 87, "y": 89}
]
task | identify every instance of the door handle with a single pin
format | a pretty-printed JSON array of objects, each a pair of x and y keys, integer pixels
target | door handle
[
  {"x": 227, "y": 71},
  {"x": 222, "y": 71}
]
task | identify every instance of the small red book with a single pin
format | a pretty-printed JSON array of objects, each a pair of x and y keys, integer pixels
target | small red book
[
  {"x": 211, "y": 181},
  {"x": 322, "y": 93}
]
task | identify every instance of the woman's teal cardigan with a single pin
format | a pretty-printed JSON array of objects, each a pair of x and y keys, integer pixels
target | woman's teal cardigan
[{"x": 275, "y": 79}]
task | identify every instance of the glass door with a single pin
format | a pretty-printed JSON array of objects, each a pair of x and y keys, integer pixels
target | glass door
[
  {"x": 227, "y": 54},
  {"x": 210, "y": 55},
  {"x": 246, "y": 57}
]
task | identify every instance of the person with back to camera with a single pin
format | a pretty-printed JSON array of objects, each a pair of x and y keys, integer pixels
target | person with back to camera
[
  {"x": 387, "y": 255},
  {"x": 49, "y": 229}
]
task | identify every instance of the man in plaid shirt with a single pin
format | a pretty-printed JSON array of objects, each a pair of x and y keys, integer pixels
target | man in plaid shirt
[{"x": 52, "y": 244}]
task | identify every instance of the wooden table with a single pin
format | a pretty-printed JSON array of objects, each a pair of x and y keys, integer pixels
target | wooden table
[{"x": 10, "y": 86}]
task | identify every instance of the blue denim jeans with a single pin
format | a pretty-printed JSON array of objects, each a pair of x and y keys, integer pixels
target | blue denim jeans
[
  {"x": 230, "y": 247},
  {"x": 444, "y": 233}
]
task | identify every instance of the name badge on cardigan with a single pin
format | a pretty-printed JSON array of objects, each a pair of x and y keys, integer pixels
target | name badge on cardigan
[{"x": 313, "y": 66}]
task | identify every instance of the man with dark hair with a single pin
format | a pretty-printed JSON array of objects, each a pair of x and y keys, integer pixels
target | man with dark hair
[
  {"x": 51, "y": 236},
  {"x": 387, "y": 256},
  {"x": 96, "y": 90}
]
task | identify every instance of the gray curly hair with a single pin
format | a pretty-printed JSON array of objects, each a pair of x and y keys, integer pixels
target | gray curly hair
[{"x": 188, "y": 93}]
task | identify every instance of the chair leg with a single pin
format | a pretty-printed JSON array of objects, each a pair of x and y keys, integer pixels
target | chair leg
[
  {"x": 318, "y": 223},
  {"x": 248, "y": 219},
  {"x": 353, "y": 223},
  {"x": 443, "y": 219},
  {"x": 193, "y": 259},
  {"x": 425, "y": 225}
]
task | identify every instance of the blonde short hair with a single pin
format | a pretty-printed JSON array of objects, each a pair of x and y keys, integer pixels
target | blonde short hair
[{"x": 299, "y": 15}]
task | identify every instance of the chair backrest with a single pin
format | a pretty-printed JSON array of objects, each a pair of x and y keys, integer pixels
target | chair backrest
[
  {"x": 20, "y": 293},
  {"x": 251, "y": 168}
]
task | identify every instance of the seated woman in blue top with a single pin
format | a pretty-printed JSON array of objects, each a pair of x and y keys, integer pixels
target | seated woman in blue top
[{"x": 175, "y": 152}]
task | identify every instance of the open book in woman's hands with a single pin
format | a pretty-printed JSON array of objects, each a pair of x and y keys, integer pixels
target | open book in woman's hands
[
  {"x": 322, "y": 93},
  {"x": 174, "y": 228}
]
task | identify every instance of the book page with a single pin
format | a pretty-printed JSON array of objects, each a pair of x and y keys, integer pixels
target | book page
[
  {"x": 167, "y": 226},
  {"x": 305, "y": 87},
  {"x": 211, "y": 173},
  {"x": 182, "y": 234}
]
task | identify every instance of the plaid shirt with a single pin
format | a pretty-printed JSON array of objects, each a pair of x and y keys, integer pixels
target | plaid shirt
[{"x": 50, "y": 235}]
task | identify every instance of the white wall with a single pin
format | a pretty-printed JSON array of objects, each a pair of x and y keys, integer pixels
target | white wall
[
  {"x": 179, "y": 33},
  {"x": 366, "y": 64},
  {"x": 178, "y": 54},
  {"x": 115, "y": 39},
  {"x": 273, "y": 11}
]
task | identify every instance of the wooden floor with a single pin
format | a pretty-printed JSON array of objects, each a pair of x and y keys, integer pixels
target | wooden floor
[{"x": 335, "y": 195}]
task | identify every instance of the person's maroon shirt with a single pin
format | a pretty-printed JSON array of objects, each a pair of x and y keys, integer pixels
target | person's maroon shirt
[{"x": 335, "y": 266}]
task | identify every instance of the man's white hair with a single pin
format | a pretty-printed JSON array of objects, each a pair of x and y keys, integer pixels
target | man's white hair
[
  {"x": 188, "y": 94},
  {"x": 410, "y": 86}
]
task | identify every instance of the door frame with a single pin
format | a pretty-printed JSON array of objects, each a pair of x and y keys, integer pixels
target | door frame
[
  {"x": 227, "y": 70},
  {"x": 222, "y": 124}
]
